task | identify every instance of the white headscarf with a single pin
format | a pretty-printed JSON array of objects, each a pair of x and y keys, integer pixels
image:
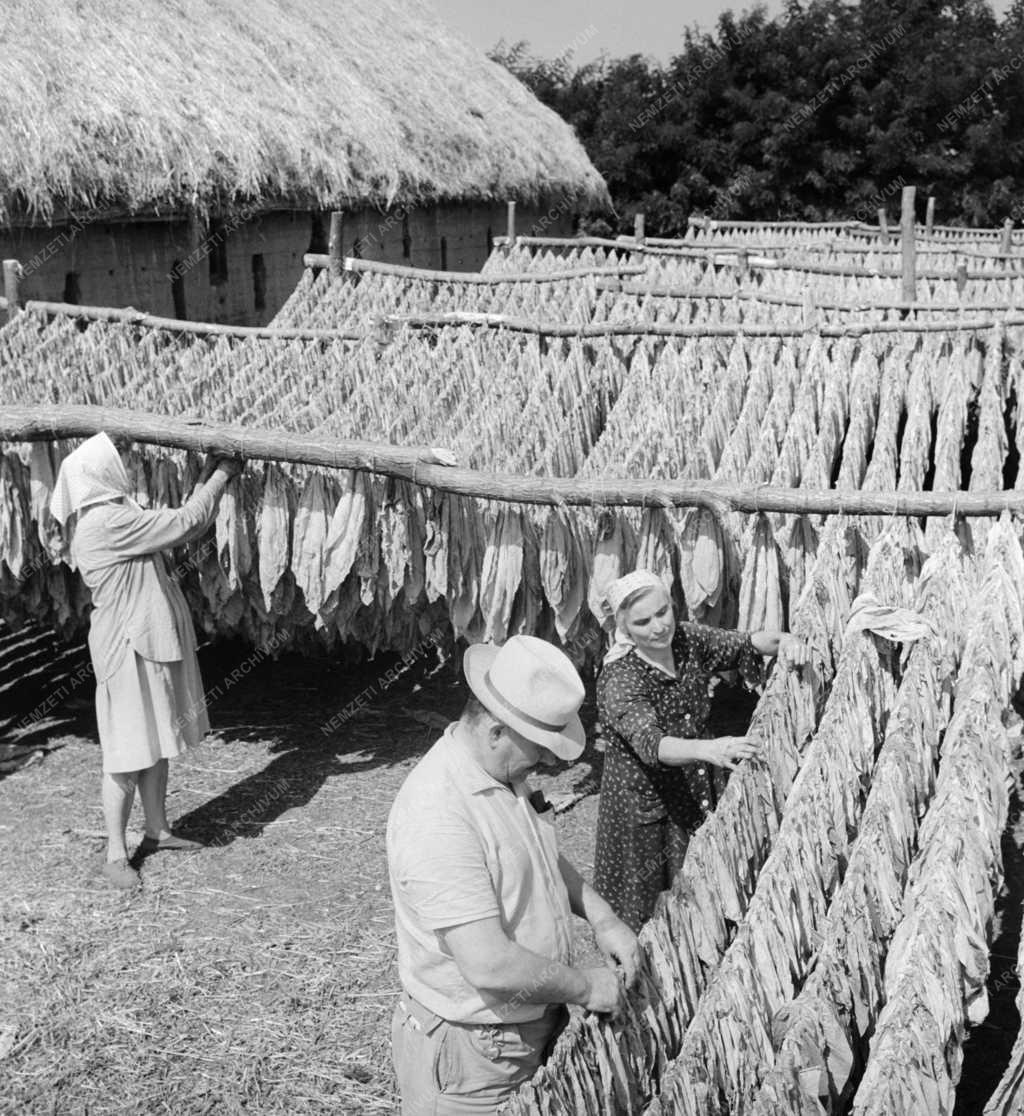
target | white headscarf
[
  {"x": 92, "y": 474},
  {"x": 618, "y": 591}
]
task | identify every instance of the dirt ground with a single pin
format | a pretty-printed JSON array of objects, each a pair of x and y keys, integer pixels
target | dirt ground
[{"x": 258, "y": 974}]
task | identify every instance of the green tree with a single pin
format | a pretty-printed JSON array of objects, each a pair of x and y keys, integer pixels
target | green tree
[{"x": 815, "y": 114}]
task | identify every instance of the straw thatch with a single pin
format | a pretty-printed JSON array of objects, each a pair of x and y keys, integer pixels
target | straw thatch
[{"x": 162, "y": 105}]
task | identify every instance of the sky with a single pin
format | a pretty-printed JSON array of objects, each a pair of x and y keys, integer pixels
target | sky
[{"x": 619, "y": 27}]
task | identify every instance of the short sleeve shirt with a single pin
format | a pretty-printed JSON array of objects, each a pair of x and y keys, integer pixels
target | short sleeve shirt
[
  {"x": 463, "y": 846},
  {"x": 638, "y": 704}
]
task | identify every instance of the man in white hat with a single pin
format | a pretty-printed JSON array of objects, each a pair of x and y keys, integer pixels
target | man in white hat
[{"x": 482, "y": 897}]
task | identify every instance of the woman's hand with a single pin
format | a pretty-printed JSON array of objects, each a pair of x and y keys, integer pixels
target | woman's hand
[
  {"x": 231, "y": 466},
  {"x": 209, "y": 465},
  {"x": 727, "y": 751},
  {"x": 789, "y": 649},
  {"x": 722, "y": 751},
  {"x": 793, "y": 652}
]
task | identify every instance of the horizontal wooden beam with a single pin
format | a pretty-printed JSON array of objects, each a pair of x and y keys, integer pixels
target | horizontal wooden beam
[
  {"x": 701, "y": 222},
  {"x": 670, "y": 329},
  {"x": 420, "y": 466},
  {"x": 640, "y": 289},
  {"x": 525, "y": 325},
  {"x": 950, "y": 233},
  {"x": 476, "y": 278},
  {"x": 722, "y": 257},
  {"x": 46, "y": 423},
  {"x": 177, "y": 325}
]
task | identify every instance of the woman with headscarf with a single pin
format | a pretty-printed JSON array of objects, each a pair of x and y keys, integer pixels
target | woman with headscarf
[
  {"x": 149, "y": 694},
  {"x": 653, "y": 703}
]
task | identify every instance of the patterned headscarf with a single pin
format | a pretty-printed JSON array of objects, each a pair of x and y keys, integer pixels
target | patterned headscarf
[
  {"x": 618, "y": 591},
  {"x": 92, "y": 474}
]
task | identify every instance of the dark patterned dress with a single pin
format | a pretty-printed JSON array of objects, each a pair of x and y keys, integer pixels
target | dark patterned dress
[{"x": 648, "y": 810}]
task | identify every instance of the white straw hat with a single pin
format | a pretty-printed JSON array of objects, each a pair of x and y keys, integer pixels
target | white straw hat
[{"x": 532, "y": 687}]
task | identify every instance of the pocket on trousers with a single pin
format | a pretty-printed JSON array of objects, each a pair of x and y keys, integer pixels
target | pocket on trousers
[{"x": 473, "y": 1060}]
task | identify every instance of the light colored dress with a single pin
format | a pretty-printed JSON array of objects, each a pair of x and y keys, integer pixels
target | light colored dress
[{"x": 149, "y": 693}]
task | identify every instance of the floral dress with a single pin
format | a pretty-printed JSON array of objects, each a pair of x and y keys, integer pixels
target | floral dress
[{"x": 648, "y": 810}]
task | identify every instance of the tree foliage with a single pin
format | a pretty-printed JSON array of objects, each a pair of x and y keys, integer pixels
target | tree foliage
[{"x": 821, "y": 113}]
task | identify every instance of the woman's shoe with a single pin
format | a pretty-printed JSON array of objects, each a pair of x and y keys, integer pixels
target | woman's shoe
[{"x": 171, "y": 844}]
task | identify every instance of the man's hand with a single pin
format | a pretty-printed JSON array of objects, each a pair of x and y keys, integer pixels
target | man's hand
[
  {"x": 604, "y": 990},
  {"x": 620, "y": 946}
]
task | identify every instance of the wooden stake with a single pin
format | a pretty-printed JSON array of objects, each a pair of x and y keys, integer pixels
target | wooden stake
[
  {"x": 961, "y": 277},
  {"x": 423, "y": 466},
  {"x": 810, "y": 313},
  {"x": 1006, "y": 245},
  {"x": 883, "y": 226},
  {"x": 743, "y": 262},
  {"x": 12, "y": 276},
  {"x": 908, "y": 244},
  {"x": 929, "y": 217},
  {"x": 638, "y": 228},
  {"x": 511, "y": 223},
  {"x": 335, "y": 247}
]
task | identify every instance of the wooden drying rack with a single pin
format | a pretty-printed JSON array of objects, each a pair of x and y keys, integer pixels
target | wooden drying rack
[
  {"x": 418, "y": 464},
  {"x": 554, "y": 329},
  {"x": 337, "y": 266}
]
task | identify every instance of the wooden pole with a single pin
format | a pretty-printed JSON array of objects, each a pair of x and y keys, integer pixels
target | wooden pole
[
  {"x": 961, "y": 277},
  {"x": 929, "y": 217},
  {"x": 638, "y": 228},
  {"x": 625, "y": 244},
  {"x": 908, "y": 244},
  {"x": 619, "y": 286},
  {"x": 743, "y": 262},
  {"x": 883, "y": 226},
  {"x": 698, "y": 221},
  {"x": 523, "y": 325},
  {"x": 474, "y": 277},
  {"x": 511, "y": 224},
  {"x": 1006, "y": 244},
  {"x": 177, "y": 325},
  {"x": 810, "y": 315},
  {"x": 12, "y": 277},
  {"x": 335, "y": 244},
  {"x": 421, "y": 466},
  {"x": 670, "y": 329}
]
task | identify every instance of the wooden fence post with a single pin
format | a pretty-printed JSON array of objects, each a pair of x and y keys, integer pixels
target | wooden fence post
[
  {"x": 1006, "y": 247},
  {"x": 335, "y": 249},
  {"x": 743, "y": 259},
  {"x": 638, "y": 228},
  {"x": 12, "y": 276},
  {"x": 883, "y": 226},
  {"x": 810, "y": 313},
  {"x": 908, "y": 245},
  {"x": 961, "y": 277},
  {"x": 511, "y": 233},
  {"x": 929, "y": 219}
]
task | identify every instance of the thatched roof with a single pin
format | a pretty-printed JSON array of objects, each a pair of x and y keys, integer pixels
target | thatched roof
[{"x": 164, "y": 104}]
